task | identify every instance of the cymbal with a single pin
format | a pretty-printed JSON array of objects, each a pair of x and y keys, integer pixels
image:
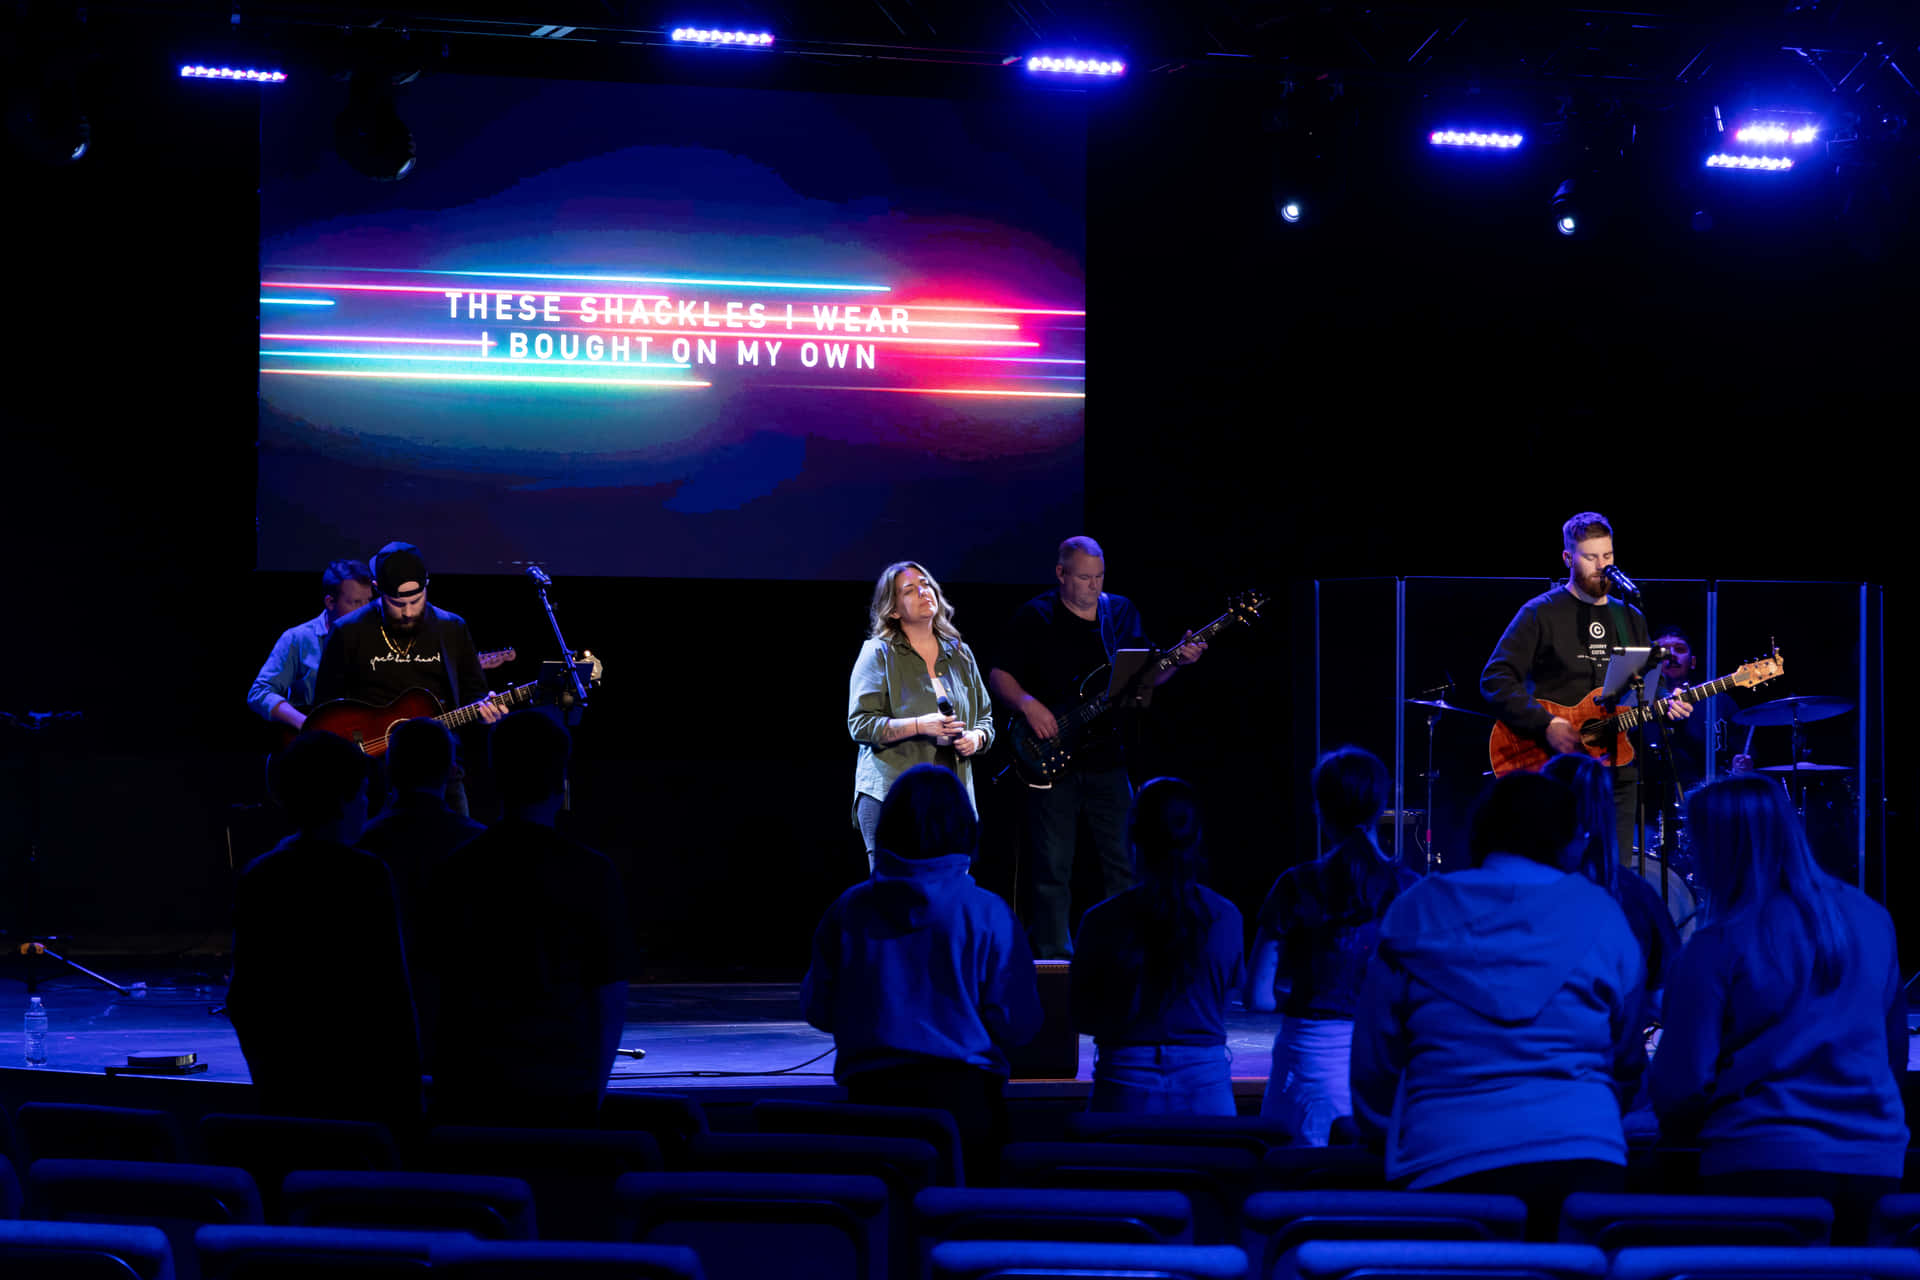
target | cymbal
[
  {"x": 1788, "y": 710},
  {"x": 1806, "y": 766},
  {"x": 1440, "y": 704}
]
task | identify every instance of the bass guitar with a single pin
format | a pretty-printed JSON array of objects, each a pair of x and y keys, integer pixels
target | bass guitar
[
  {"x": 1602, "y": 732},
  {"x": 367, "y": 726},
  {"x": 1037, "y": 761}
]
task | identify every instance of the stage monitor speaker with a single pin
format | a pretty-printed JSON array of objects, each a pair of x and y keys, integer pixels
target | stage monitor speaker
[{"x": 1054, "y": 1053}]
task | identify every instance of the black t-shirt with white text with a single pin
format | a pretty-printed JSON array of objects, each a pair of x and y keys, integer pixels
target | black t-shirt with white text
[{"x": 369, "y": 663}]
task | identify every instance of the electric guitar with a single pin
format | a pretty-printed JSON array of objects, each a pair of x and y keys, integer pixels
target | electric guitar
[
  {"x": 1601, "y": 732},
  {"x": 1038, "y": 761},
  {"x": 367, "y": 726},
  {"x": 497, "y": 658}
]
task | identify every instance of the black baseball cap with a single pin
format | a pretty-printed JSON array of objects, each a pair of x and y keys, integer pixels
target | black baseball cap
[{"x": 397, "y": 564}]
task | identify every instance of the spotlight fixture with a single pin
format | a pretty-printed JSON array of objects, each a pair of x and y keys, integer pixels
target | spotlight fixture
[
  {"x": 1765, "y": 164},
  {"x": 1076, "y": 65},
  {"x": 47, "y": 112},
  {"x": 1475, "y": 138},
  {"x": 705, "y": 35},
  {"x": 369, "y": 134},
  {"x": 1291, "y": 211},
  {"x": 194, "y": 71},
  {"x": 1564, "y": 207}
]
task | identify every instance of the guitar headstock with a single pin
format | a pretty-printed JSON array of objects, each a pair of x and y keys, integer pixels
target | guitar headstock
[
  {"x": 1246, "y": 605},
  {"x": 1760, "y": 670},
  {"x": 497, "y": 658},
  {"x": 593, "y": 666}
]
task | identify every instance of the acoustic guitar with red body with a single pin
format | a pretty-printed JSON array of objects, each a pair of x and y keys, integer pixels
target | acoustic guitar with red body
[
  {"x": 367, "y": 726},
  {"x": 1602, "y": 732}
]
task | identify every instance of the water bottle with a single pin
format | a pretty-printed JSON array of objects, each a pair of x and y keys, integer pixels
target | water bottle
[{"x": 36, "y": 1033}]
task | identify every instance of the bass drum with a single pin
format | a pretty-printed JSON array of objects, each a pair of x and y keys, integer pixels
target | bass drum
[{"x": 1681, "y": 904}]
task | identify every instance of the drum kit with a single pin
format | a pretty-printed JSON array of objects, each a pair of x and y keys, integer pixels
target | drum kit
[{"x": 1680, "y": 882}]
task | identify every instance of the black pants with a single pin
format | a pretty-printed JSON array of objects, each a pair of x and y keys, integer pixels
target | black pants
[
  {"x": 1626, "y": 795},
  {"x": 1542, "y": 1187},
  {"x": 1852, "y": 1195},
  {"x": 974, "y": 1098},
  {"x": 1052, "y": 825}
]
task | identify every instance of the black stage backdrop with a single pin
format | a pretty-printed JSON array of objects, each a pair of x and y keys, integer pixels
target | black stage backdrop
[{"x": 1423, "y": 392}]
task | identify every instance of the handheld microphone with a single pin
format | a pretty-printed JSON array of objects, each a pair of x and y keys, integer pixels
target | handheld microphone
[
  {"x": 539, "y": 575},
  {"x": 1621, "y": 582}
]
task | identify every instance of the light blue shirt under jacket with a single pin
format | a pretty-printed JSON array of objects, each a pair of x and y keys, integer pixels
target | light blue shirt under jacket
[{"x": 289, "y": 671}]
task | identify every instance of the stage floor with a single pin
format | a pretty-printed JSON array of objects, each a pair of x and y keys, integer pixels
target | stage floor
[{"x": 718, "y": 1035}]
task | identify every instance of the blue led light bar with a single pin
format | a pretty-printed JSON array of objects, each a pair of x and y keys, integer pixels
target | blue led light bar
[
  {"x": 1474, "y": 138},
  {"x": 1765, "y": 164},
  {"x": 705, "y": 35},
  {"x": 194, "y": 71},
  {"x": 1770, "y": 134},
  {"x": 1075, "y": 65}
]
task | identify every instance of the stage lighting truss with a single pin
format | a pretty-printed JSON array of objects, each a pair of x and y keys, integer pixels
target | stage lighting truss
[
  {"x": 1076, "y": 65},
  {"x": 194, "y": 71},
  {"x": 1476, "y": 139},
  {"x": 734, "y": 39}
]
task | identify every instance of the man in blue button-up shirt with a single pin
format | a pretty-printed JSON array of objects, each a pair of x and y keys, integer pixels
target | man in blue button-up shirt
[{"x": 283, "y": 690}]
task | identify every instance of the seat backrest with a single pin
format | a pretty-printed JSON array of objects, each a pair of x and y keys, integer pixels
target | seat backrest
[
  {"x": 485, "y": 1207},
  {"x": 985, "y": 1259},
  {"x": 1275, "y": 1222},
  {"x": 1896, "y": 1222},
  {"x": 1323, "y": 1169},
  {"x": 563, "y": 1261},
  {"x": 937, "y": 1128},
  {"x": 139, "y": 1191},
  {"x": 271, "y": 1147},
  {"x": 321, "y": 1253},
  {"x": 1257, "y": 1134},
  {"x": 1214, "y": 1179},
  {"x": 1441, "y": 1259},
  {"x": 749, "y": 1225},
  {"x": 1061, "y": 1213},
  {"x": 1616, "y": 1222},
  {"x": 1663, "y": 1171},
  {"x": 1763, "y": 1262},
  {"x": 84, "y": 1251},
  {"x": 572, "y": 1171},
  {"x": 673, "y": 1119},
  {"x": 10, "y": 1197},
  {"x": 75, "y": 1131}
]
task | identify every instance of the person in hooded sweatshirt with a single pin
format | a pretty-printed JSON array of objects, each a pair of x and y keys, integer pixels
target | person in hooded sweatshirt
[
  {"x": 923, "y": 978},
  {"x": 1153, "y": 968},
  {"x": 1491, "y": 1019},
  {"x": 1785, "y": 1024}
]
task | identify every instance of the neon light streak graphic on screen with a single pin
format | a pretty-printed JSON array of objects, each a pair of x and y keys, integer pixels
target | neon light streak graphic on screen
[{"x": 711, "y": 330}]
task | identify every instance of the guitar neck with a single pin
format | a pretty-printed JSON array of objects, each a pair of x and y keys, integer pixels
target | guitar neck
[
  {"x": 460, "y": 717},
  {"x": 1096, "y": 706},
  {"x": 1633, "y": 717}
]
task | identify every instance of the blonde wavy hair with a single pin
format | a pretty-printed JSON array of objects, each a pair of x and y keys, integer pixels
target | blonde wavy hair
[{"x": 883, "y": 626}]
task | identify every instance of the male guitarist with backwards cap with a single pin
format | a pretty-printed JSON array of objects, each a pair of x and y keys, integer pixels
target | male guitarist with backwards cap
[
  {"x": 398, "y": 641},
  {"x": 1054, "y": 641},
  {"x": 1556, "y": 649}
]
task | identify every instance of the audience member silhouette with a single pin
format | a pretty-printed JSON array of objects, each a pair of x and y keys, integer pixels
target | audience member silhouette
[
  {"x": 1491, "y": 1018},
  {"x": 526, "y": 935},
  {"x": 413, "y": 833},
  {"x": 1785, "y": 1023},
  {"x": 1153, "y": 967},
  {"x": 319, "y": 995},
  {"x": 1318, "y": 929},
  {"x": 923, "y": 978}
]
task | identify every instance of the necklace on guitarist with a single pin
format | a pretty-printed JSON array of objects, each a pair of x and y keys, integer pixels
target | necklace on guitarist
[{"x": 393, "y": 648}]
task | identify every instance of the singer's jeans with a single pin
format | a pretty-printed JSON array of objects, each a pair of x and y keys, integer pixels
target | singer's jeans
[{"x": 1052, "y": 824}]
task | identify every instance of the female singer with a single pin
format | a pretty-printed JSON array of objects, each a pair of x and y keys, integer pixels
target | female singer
[{"x": 916, "y": 695}]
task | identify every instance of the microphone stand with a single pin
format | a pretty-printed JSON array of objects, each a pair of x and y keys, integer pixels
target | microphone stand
[{"x": 540, "y": 584}]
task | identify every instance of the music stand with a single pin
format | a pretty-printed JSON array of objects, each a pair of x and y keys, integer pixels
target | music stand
[{"x": 1126, "y": 687}]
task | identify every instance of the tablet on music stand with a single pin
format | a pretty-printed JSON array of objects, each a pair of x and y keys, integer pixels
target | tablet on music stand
[
  {"x": 1626, "y": 663},
  {"x": 1127, "y": 664}
]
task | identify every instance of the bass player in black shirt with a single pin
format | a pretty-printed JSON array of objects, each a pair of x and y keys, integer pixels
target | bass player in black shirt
[{"x": 1556, "y": 650}]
